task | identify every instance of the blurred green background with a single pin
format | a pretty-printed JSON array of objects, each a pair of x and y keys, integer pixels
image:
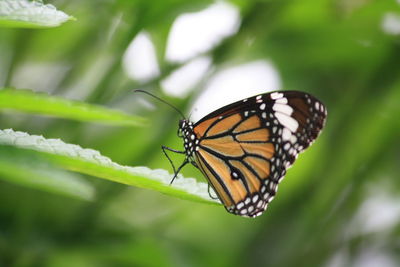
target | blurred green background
[{"x": 339, "y": 205}]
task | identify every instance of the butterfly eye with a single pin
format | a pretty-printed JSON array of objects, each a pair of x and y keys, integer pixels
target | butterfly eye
[{"x": 182, "y": 124}]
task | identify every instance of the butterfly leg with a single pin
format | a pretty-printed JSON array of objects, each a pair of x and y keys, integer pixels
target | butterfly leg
[
  {"x": 164, "y": 148},
  {"x": 178, "y": 170}
]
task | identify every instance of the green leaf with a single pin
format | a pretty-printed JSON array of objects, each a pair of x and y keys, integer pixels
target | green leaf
[
  {"x": 27, "y": 14},
  {"x": 28, "y": 168},
  {"x": 41, "y": 103},
  {"x": 89, "y": 161}
]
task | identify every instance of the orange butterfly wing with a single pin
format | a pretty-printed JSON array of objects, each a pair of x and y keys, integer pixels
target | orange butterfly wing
[{"x": 245, "y": 148}]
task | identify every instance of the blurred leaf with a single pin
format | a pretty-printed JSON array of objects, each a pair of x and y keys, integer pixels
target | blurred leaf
[
  {"x": 28, "y": 169},
  {"x": 41, "y": 103},
  {"x": 27, "y": 14},
  {"x": 89, "y": 161},
  {"x": 141, "y": 252}
]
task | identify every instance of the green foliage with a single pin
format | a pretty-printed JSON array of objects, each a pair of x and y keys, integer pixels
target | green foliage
[
  {"x": 33, "y": 170},
  {"x": 40, "y": 103},
  {"x": 339, "y": 51}
]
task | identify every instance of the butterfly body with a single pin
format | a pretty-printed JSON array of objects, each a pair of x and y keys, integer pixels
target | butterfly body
[{"x": 245, "y": 148}]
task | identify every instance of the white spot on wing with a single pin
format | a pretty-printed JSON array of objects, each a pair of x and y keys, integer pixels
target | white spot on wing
[
  {"x": 263, "y": 188},
  {"x": 255, "y": 198},
  {"x": 287, "y": 121},
  {"x": 286, "y": 134},
  {"x": 276, "y": 95},
  {"x": 287, "y": 146},
  {"x": 282, "y": 100},
  {"x": 283, "y": 108}
]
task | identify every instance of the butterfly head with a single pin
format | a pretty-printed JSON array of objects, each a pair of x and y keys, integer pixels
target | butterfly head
[{"x": 190, "y": 140}]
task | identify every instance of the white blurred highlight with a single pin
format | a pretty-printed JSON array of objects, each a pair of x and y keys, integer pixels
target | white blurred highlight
[
  {"x": 370, "y": 256},
  {"x": 375, "y": 257},
  {"x": 339, "y": 259},
  {"x": 182, "y": 81},
  {"x": 139, "y": 61},
  {"x": 391, "y": 24},
  {"x": 236, "y": 83},
  {"x": 44, "y": 77},
  {"x": 380, "y": 212},
  {"x": 195, "y": 33}
]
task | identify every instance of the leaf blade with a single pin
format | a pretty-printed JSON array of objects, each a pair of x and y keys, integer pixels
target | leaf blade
[
  {"x": 44, "y": 104},
  {"x": 91, "y": 162},
  {"x": 26, "y": 14}
]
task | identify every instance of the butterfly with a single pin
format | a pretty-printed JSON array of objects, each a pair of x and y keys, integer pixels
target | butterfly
[{"x": 245, "y": 148}]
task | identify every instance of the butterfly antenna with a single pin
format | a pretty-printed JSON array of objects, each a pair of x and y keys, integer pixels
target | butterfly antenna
[
  {"x": 190, "y": 114},
  {"x": 159, "y": 99}
]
